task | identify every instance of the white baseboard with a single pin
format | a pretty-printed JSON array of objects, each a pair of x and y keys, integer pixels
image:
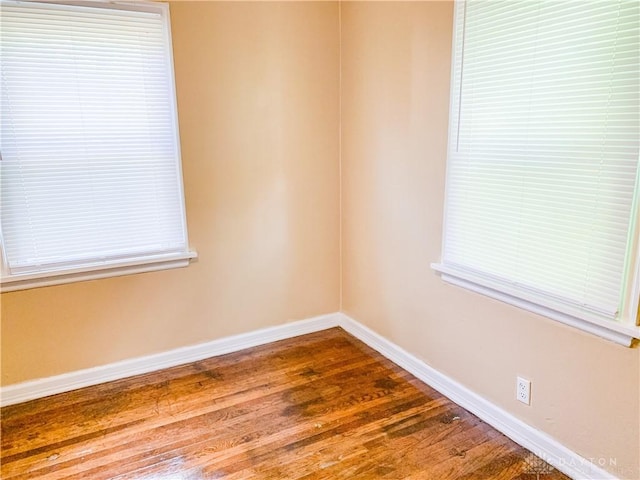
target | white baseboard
[
  {"x": 544, "y": 446},
  {"x": 43, "y": 387},
  {"x": 541, "y": 444}
]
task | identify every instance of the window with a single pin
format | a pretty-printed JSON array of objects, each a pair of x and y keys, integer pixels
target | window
[
  {"x": 90, "y": 172},
  {"x": 542, "y": 173}
]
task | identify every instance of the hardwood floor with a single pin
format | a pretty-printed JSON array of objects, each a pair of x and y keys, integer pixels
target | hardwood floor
[{"x": 319, "y": 406}]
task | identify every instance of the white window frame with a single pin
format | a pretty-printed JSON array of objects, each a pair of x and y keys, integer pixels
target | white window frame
[
  {"x": 622, "y": 332},
  {"x": 112, "y": 267}
]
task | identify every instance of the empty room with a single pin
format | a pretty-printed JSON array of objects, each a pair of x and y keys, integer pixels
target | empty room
[{"x": 320, "y": 239}]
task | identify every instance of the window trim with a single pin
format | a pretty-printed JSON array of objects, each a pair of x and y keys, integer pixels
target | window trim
[
  {"x": 113, "y": 268},
  {"x": 617, "y": 332},
  {"x": 94, "y": 272}
]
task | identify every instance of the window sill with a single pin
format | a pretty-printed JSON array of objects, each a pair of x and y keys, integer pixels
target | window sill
[
  {"x": 613, "y": 331},
  {"x": 46, "y": 279}
]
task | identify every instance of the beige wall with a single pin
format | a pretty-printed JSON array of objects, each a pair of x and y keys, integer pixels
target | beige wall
[
  {"x": 258, "y": 105},
  {"x": 395, "y": 90},
  {"x": 257, "y": 87}
]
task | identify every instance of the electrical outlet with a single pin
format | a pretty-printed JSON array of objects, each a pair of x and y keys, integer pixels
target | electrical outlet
[{"x": 523, "y": 390}]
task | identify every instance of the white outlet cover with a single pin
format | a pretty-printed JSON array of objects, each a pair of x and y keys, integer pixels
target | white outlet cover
[{"x": 523, "y": 390}]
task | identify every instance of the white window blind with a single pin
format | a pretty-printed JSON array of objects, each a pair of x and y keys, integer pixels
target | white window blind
[
  {"x": 543, "y": 152},
  {"x": 90, "y": 171}
]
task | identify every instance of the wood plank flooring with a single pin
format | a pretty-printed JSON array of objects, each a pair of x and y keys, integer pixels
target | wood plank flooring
[{"x": 319, "y": 406}]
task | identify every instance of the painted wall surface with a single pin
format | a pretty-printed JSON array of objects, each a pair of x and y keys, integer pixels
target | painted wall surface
[
  {"x": 258, "y": 99},
  {"x": 257, "y": 87},
  {"x": 395, "y": 98}
]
